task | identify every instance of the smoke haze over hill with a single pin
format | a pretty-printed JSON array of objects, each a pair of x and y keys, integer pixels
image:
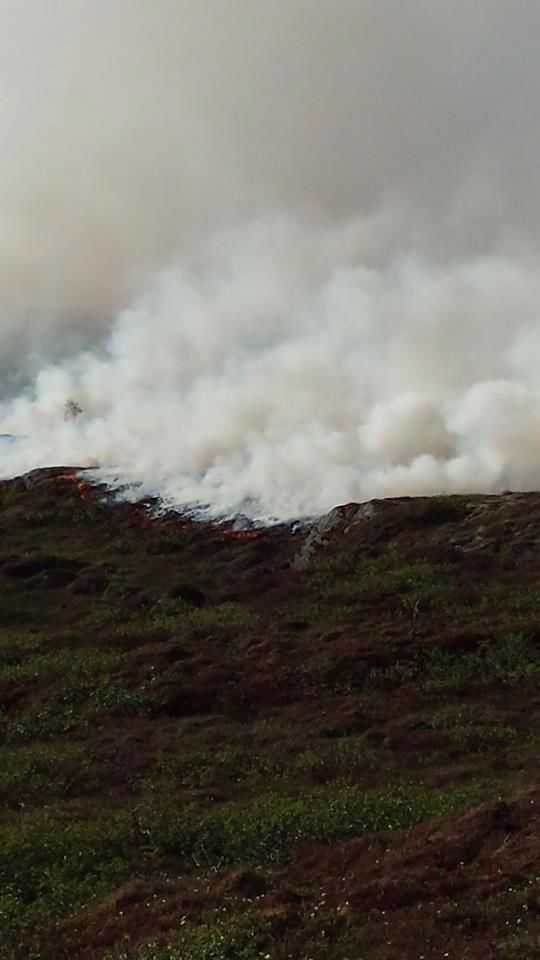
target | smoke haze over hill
[{"x": 282, "y": 254}]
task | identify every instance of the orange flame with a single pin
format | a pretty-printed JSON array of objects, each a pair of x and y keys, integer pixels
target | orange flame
[
  {"x": 80, "y": 485},
  {"x": 243, "y": 534},
  {"x": 145, "y": 517}
]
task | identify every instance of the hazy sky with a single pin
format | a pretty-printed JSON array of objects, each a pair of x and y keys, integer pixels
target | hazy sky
[{"x": 128, "y": 126}]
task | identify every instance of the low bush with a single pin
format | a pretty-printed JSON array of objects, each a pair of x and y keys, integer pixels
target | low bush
[
  {"x": 508, "y": 659},
  {"x": 267, "y": 830}
]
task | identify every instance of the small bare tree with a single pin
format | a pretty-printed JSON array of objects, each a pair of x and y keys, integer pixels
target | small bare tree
[{"x": 72, "y": 410}]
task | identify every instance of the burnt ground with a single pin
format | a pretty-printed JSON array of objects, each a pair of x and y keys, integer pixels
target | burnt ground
[{"x": 318, "y": 744}]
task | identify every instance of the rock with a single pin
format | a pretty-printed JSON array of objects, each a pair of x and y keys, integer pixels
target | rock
[{"x": 350, "y": 514}]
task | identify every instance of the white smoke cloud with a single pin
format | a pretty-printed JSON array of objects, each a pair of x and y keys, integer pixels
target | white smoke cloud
[
  {"x": 378, "y": 335},
  {"x": 267, "y": 375}
]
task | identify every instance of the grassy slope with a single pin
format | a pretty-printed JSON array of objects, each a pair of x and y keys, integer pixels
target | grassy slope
[{"x": 209, "y": 754}]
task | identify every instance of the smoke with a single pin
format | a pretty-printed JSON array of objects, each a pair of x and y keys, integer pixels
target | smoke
[{"x": 282, "y": 254}]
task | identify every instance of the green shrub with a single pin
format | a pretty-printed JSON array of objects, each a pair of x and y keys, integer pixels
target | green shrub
[
  {"x": 338, "y": 585},
  {"x": 357, "y": 574},
  {"x": 15, "y": 646},
  {"x": 77, "y": 703},
  {"x": 238, "y": 765},
  {"x": 516, "y": 598},
  {"x": 268, "y": 829},
  {"x": 222, "y": 615},
  {"x": 474, "y": 728},
  {"x": 351, "y": 753},
  {"x": 74, "y": 664},
  {"x": 49, "y": 867},
  {"x": 508, "y": 659},
  {"x": 232, "y": 765},
  {"x": 245, "y": 937},
  {"x": 165, "y": 617},
  {"x": 39, "y": 773}
]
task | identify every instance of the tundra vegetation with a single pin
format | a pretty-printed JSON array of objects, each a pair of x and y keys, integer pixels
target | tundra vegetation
[{"x": 209, "y": 753}]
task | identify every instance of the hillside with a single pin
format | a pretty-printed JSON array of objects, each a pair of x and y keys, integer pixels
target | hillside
[{"x": 316, "y": 744}]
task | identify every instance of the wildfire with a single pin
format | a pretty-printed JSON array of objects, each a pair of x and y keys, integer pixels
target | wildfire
[
  {"x": 80, "y": 485},
  {"x": 224, "y": 531},
  {"x": 243, "y": 534},
  {"x": 143, "y": 512}
]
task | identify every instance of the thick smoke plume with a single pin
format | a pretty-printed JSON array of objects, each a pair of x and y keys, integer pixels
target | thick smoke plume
[{"x": 282, "y": 254}]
